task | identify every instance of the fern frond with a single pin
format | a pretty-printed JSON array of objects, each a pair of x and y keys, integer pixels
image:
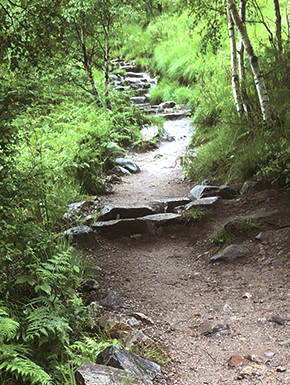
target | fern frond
[
  {"x": 42, "y": 322},
  {"x": 27, "y": 370},
  {"x": 8, "y": 328}
]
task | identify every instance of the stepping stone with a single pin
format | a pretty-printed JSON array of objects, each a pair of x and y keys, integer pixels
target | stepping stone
[
  {"x": 161, "y": 219},
  {"x": 203, "y": 191},
  {"x": 111, "y": 213},
  {"x": 168, "y": 205},
  {"x": 149, "y": 224},
  {"x": 198, "y": 202},
  {"x": 120, "y": 227},
  {"x": 139, "y": 99},
  {"x": 136, "y": 74}
]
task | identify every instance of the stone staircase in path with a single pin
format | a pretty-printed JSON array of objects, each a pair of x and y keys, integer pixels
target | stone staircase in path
[
  {"x": 139, "y": 83},
  {"x": 160, "y": 218}
]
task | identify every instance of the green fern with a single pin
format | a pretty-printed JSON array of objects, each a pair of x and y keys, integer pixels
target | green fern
[
  {"x": 14, "y": 356},
  {"x": 43, "y": 324},
  {"x": 27, "y": 370}
]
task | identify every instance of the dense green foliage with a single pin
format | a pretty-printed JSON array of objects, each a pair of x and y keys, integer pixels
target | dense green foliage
[
  {"x": 61, "y": 125},
  {"x": 189, "y": 51}
]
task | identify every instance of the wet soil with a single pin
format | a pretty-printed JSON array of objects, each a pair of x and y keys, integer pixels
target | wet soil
[{"x": 171, "y": 279}]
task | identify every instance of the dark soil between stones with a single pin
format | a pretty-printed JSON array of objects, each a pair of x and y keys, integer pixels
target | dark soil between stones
[{"x": 172, "y": 280}]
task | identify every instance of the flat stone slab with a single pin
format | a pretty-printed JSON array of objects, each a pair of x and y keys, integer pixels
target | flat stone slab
[
  {"x": 230, "y": 254},
  {"x": 93, "y": 374},
  {"x": 161, "y": 218},
  {"x": 112, "y": 212},
  {"x": 168, "y": 205},
  {"x": 175, "y": 115},
  {"x": 202, "y": 202},
  {"x": 120, "y": 227},
  {"x": 231, "y": 225},
  {"x": 204, "y": 191},
  {"x": 139, "y": 99},
  {"x": 141, "y": 225}
]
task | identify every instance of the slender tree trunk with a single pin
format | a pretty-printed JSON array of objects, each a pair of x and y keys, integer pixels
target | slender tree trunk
[
  {"x": 234, "y": 64},
  {"x": 107, "y": 48},
  {"x": 242, "y": 71},
  {"x": 278, "y": 28},
  {"x": 258, "y": 76},
  {"x": 87, "y": 66}
]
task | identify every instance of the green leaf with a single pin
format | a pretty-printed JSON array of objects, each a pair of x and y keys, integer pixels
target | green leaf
[
  {"x": 26, "y": 278},
  {"x": 44, "y": 287}
]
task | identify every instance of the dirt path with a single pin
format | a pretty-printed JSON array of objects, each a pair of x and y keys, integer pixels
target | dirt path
[{"x": 171, "y": 280}]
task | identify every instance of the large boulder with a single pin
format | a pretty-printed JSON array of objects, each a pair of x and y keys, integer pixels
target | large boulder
[
  {"x": 123, "y": 359},
  {"x": 93, "y": 374}
]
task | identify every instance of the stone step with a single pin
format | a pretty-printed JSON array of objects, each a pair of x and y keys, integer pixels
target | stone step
[
  {"x": 139, "y": 99},
  {"x": 149, "y": 224},
  {"x": 113, "y": 212}
]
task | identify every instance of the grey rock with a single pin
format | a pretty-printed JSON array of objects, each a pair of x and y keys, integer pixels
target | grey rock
[
  {"x": 203, "y": 191},
  {"x": 135, "y": 74},
  {"x": 215, "y": 330},
  {"x": 198, "y": 202},
  {"x": 202, "y": 202},
  {"x": 123, "y": 359},
  {"x": 113, "y": 179},
  {"x": 93, "y": 374},
  {"x": 248, "y": 185},
  {"x": 278, "y": 320},
  {"x": 168, "y": 205},
  {"x": 230, "y": 254},
  {"x": 175, "y": 115},
  {"x": 121, "y": 170},
  {"x": 161, "y": 218},
  {"x": 155, "y": 223},
  {"x": 90, "y": 285},
  {"x": 139, "y": 99},
  {"x": 128, "y": 164},
  {"x": 231, "y": 225},
  {"x": 111, "y": 213},
  {"x": 120, "y": 227},
  {"x": 149, "y": 133},
  {"x": 77, "y": 209},
  {"x": 167, "y": 105},
  {"x": 83, "y": 236},
  {"x": 112, "y": 301}
]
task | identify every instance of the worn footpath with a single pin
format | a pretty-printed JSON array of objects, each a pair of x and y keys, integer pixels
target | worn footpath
[{"x": 219, "y": 322}]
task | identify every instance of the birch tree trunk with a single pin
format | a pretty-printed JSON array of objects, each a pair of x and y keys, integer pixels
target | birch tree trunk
[
  {"x": 234, "y": 64},
  {"x": 258, "y": 76},
  {"x": 242, "y": 71}
]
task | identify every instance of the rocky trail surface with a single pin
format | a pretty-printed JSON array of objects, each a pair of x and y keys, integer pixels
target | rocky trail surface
[{"x": 220, "y": 321}]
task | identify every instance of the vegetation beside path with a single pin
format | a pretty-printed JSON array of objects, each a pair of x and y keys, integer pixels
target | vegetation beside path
[{"x": 61, "y": 124}]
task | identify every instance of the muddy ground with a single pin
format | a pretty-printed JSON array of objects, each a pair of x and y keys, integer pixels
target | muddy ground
[{"x": 171, "y": 279}]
